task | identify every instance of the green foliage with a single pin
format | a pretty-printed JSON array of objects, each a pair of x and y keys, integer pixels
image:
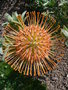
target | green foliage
[
  {"x": 11, "y": 80},
  {"x": 36, "y": 4},
  {"x": 64, "y": 32},
  {"x": 1, "y": 51},
  {"x": 66, "y": 43},
  {"x": 0, "y": 42},
  {"x": 59, "y": 11},
  {"x": 13, "y": 21},
  {"x": 56, "y": 8}
]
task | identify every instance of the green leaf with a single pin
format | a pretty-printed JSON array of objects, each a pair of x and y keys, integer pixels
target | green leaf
[
  {"x": 8, "y": 17},
  {"x": 45, "y": 3},
  {"x": 25, "y": 18},
  {"x": 65, "y": 28},
  {"x": 14, "y": 16},
  {"x": 23, "y": 14},
  {"x": 1, "y": 41},
  {"x": 64, "y": 31},
  {"x": 4, "y": 24},
  {"x": 0, "y": 44},
  {"x": 6, "y": 50},
  {"x": 1, "y": 51},
  {"x": 13, "y": 25},
  {"x": 66, "y": 43},
  {"x": 52, "y": 3},
  {"x": 12, "y": 19},
  {"x": 63, "y": 2}
]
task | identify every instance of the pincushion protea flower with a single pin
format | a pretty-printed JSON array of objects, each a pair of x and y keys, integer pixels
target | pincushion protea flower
[{"x": 34, "y": 45}]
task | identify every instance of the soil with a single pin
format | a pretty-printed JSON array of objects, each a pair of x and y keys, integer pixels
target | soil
[{"x": 56, "y": 79}]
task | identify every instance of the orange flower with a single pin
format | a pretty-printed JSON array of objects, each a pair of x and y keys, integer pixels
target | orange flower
[{"x": 36, "y": 46}]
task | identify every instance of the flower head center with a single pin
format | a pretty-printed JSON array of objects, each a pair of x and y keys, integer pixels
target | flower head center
[{"x": 34, "y": 43}]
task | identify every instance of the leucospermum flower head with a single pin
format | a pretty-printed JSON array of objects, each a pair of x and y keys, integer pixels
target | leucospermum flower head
[{"x": 33, "y": 43}]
